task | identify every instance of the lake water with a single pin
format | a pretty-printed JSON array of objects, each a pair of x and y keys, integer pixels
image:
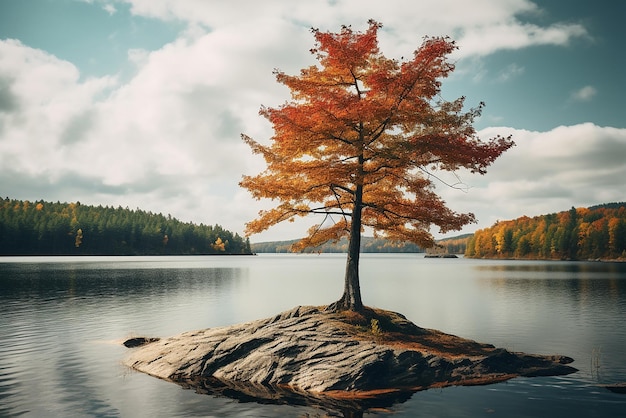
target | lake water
[{"x": 62, "y": 321}]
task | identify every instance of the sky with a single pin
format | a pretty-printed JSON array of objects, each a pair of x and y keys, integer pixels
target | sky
[{"x": 141, "y": 103}]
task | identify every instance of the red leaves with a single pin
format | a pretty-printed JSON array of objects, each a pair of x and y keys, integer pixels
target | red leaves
[
  {"x": 346, "y": 49},
  {"x": 361, "y": 121}
]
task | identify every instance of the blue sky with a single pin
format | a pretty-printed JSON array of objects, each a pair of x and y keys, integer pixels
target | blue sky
[{"x": 140, "y": 103}]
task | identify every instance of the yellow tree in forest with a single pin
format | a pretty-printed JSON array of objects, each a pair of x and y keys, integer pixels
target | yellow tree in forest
[
  {"x": 79, "y": 238},
  {"x": 360, "y": 140},
  {"x": 219, "y": 245}
]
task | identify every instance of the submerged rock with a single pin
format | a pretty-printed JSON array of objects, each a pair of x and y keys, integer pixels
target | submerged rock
[
  {"x": 311, "y": 354},
  {"x": 138, "y": 341}
]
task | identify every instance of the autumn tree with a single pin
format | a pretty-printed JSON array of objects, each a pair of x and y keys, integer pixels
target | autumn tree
[
  {"x": 218, "y": 245},
  {"x": 358, "y": 143}
]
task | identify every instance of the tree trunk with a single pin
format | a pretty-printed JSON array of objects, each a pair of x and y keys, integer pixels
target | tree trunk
[{"x": 351, "y": 299}]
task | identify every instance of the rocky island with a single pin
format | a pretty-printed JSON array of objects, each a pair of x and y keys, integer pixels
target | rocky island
[{"x": 343, "y": 359}]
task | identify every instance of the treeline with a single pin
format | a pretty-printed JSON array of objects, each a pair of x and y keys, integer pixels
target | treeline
[
  {"x": 368, "y": 245},
  {"x": 45, "y": 228},
  {"x": 597, "y": 232},
  {"x": 454, "y": 245}
]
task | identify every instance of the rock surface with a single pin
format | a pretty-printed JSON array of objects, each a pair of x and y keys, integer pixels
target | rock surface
[{"x": 314, "y": 353}]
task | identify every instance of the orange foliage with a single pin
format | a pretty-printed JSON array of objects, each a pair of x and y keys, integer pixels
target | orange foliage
[
  {"x": 360, "y": 138},
  {"x": 582, "y": 233},
  {"x": 219, "y": 245}
]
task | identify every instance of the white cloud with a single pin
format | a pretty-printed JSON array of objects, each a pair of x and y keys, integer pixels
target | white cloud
[
  {"x": 168, "y": 140},
  {"x": 584, "y": 94},
  {"x": 110, "y": 9},
  {"x": 546, "y": 172},
  {"x": 513, "y": 34},
  {"x": 481, "y": 26},
  {"x": 47, "y": 97}
]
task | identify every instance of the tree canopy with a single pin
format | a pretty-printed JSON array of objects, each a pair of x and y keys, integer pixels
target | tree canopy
[{"x": 359, "y": 141}]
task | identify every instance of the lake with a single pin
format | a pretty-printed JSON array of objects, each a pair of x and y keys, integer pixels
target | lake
[{"x": 62, "y": 321}]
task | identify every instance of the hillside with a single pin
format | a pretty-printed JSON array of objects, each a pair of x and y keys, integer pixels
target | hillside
[
  {"x": 453, "y": 245},
  {"x": 45, "y": 228},
  {"x": 368, "y": 245},
  {"x": 597, "y": 232}
]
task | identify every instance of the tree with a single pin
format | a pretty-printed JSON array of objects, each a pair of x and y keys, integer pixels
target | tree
[
  {"x": 79, "y": 238},
  {"x": 219, "y": 245},
  {"x": 360, "y": 140}
]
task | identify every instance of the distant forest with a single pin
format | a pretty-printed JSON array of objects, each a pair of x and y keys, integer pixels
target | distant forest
[
  {"x": 597, "y": 232},
  {"x": 45, "y": 228},
  {"x": 454, "y": 245},
  {"x": 368, "y": 245}
]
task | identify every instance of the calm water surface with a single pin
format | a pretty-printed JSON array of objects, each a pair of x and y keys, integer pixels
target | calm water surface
[{"x": 62, "y": 321}]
